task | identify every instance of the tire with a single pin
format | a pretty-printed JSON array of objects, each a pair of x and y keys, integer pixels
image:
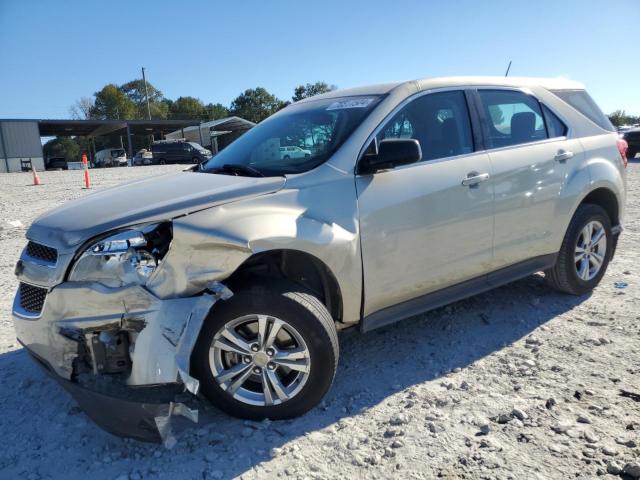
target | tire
[
  {"x": 301, "y": 312},
  {"x": 286, "y": 157},
  {"x": 631, "y": 154},
  {"x": 564, "y": 275},
  {"x": 195, "y": 160},
  {"x": 162, "y": 162}
]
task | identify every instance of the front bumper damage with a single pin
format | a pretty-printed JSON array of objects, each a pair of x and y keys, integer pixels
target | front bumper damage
[{"x": 122, "y": 353}]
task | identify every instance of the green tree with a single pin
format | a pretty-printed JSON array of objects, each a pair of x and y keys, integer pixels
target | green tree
[
  {"x": 111, "y": 103},
  {"x": 311, "y": 89},
  {"x": 256, "y": 104},
  {"x": 66, "y": 147},
  {"x": 620, "y": 117},
  {"x": 214, "y": 111},
  {"x": 186, "y": 108},
  {"x": 135, "y": 91}
]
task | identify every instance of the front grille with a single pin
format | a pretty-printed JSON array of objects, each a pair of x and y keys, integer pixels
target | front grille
[
  {"x": 42, "y": 252},
  {"x": 32, "y": 298}
]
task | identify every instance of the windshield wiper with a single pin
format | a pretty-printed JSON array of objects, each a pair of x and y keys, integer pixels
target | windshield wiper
[{"x": 236, "y": 169}]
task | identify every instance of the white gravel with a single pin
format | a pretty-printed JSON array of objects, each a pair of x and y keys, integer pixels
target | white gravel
[{"x": 521, "y": 382}]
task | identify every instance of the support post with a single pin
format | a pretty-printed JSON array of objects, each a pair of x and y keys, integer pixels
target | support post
[
  {"x": 4, "y": 148},
  {"x": 129, "y": 142}
]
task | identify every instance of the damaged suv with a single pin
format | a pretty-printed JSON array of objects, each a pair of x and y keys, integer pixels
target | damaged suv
[{"x": 232, "y": 279}]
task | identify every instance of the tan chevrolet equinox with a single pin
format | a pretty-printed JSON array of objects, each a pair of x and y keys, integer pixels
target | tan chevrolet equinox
[{"x": 233, "y": 278}]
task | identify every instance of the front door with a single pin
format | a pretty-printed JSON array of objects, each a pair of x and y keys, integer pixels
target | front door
[{"x": 428, "y": 225}]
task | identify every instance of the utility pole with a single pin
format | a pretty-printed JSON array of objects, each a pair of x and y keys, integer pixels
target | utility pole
[{"x": 146, "y": 93}]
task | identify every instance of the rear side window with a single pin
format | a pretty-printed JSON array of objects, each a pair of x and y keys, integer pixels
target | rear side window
[
  {"x": 555, "y": 126},
  {"x": 581, "y": 101},
  {"x": 439, "y": 121},
  {"x": 513, "y": 118}
]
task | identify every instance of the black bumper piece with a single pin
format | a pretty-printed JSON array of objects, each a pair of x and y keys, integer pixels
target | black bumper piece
[{"x": 129, "y": 413}]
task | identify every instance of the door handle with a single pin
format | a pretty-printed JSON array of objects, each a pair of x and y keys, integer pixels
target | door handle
[
  {"x": 563, "y": 155},
  {"x": 474, "y": 178}
]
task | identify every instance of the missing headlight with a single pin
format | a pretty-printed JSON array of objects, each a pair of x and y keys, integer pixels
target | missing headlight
[{"x": 129, "y": 257}]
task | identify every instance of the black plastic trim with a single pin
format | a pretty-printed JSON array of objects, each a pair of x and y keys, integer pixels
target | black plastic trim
[{"x": 119, "y": 416}]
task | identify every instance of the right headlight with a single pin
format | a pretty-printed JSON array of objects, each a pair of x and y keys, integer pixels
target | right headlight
[{"x": 128, "y": 257}]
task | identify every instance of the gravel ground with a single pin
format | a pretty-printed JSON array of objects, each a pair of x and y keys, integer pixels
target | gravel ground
[{"x": 520, "y": 382}]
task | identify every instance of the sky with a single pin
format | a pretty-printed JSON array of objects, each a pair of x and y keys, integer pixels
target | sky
[{"x": 54, "y": 52}]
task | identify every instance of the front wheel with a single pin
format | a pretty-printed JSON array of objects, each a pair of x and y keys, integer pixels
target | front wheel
[
  {"x": 267, "y": 352},
  {"x": 585, "y": 253}
]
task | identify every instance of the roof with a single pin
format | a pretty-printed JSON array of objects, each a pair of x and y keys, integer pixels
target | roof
[
  {"x": 227, "y": 123},
  {"x": 93, "y": 128},
  {"x": 444, "y": 82}
]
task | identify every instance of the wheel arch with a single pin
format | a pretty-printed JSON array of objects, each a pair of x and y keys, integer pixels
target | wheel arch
[
  {"x": 297, "y": 266},
  {"x": 605, "y": 198}
]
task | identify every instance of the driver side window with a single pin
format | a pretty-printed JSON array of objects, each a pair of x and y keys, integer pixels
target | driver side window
[{"x": 439, "y": 121}]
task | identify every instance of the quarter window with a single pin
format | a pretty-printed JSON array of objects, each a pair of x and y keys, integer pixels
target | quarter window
[
  {"x": 512, "y": 117},
  {"x": 439, "y": 121},
  {"x": 555, "y": 127}
]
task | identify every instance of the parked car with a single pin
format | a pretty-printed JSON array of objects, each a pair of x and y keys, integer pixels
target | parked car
[
  {"x": 632, "y": 137},
  {"x": 293, "y": 152},
  {"x": 178, "y": 151},
  {"x": 110, "y": 157},
  {"x": 142, "y": 157},
  {"x": 56, "y": 163},
  {"x": 233, "y": 278}
]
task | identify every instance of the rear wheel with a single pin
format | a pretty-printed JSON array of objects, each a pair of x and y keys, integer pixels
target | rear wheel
[
  {"x": 585, "y": 252},
  {"x": 267, "y": 352},
  {"x": 195, "y": 160},
  {"x": 162, "y": 161}
]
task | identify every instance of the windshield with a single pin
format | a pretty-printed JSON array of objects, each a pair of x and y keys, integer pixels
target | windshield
[
  {"x": 197, "y": 146},
  {"x": 117, "y": 153},
  {"x": 296, "y": 140}
]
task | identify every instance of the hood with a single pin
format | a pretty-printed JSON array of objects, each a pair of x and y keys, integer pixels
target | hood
[{"x": 152, "y": 199}]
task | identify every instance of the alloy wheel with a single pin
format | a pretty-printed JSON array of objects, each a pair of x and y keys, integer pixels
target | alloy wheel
[
  {"x": 590, "y": 251},
  {"x": 259, "y": 360}
]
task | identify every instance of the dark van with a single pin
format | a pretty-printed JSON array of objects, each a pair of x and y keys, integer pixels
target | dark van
[{"x": 178, "y": 151}]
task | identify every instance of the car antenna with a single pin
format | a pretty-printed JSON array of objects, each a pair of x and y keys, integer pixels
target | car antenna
[{"x": 508, "y": 68}]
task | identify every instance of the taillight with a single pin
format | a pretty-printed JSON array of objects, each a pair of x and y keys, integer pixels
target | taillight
[{"x": 622, "y": 148}]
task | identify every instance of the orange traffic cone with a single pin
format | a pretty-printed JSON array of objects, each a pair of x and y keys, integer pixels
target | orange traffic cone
[{"x": 36, "y": 178}]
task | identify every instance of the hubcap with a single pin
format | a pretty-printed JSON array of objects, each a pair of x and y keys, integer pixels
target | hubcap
[
  {"x": 259, "y": 360},
  {"x": 590, "y": 251}
]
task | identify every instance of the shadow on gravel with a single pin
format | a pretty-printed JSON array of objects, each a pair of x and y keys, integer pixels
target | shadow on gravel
[{"x": 372, "y": 367}]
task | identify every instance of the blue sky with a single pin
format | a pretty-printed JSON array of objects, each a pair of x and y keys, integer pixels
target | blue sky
[{"x": 54, "y": 52}]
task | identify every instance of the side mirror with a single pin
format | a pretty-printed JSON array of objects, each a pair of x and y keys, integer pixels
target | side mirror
[{"x": 392, "y": 152}]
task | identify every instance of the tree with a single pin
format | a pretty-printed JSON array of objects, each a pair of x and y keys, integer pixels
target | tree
[
  {"x": 135, "y": 91},
  {"x": 311, "y": 89},
  {"x": 62, "y": 147},
  {"x": 256, "y": 104},
  {"x": 81, "y": 109},
  {"x": 214, "y": 111},
  {"x": 111, "y": 104},
  {"x": 187, "y": 108},
  {"x": 620, "y": 117}
]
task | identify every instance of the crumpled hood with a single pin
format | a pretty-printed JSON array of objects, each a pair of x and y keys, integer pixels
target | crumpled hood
[{"x": 151, "y": 199}]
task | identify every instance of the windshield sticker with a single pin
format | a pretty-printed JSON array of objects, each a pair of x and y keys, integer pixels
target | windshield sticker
[{"x": 350, "y": 103}]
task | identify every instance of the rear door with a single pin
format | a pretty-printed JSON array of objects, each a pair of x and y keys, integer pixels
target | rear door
[
  {"x": 529, "y": 151},
  {"x": 427, "y": 225}
]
